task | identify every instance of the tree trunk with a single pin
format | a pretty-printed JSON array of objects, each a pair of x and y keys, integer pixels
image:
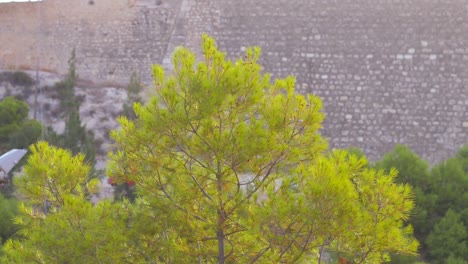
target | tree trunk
[
  {"x": 220, "y": 236},
  {"x": 221, "y": 218},
  {"x": 220, "y": 232}
]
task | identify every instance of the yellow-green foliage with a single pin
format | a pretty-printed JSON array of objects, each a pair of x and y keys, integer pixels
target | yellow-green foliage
[
  {"x": 52, "y": 173},
  {"x": 78, "y": 233},
  {"x": 237, "y": 167},
  {"x": 229, "y": 168}
]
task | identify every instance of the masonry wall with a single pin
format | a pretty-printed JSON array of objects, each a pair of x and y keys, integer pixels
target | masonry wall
[
  {"x": 389, "y": 71},
  {"x": 112, "y": 38}
]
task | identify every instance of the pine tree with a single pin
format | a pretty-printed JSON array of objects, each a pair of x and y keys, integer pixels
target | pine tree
[
  {"x": 229, "y": 168},
  {"x": 236, "y": 171},
  {"x": 134, "y": 89},
  {"x": 76, "y": 137},
  {"x": 16, "y": 131},
  {"x": 126, "y": 190}
]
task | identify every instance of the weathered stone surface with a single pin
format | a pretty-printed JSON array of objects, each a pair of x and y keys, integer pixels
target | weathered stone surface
[{"x": 388, "y": 71}]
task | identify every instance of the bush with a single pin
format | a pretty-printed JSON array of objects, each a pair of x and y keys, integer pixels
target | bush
[
  {"x": 21, "y": 79},
  {"x": 8, "y": 210}
]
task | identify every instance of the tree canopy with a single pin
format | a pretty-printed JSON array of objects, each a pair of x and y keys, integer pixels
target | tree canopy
[
  {"x": 229, "y": 166},
  {"x": 236, "y": 165},
  {"x": 440, "y": 217},
  {"x": 76, "y": 137},
  {"x": 16, "y": 130}
]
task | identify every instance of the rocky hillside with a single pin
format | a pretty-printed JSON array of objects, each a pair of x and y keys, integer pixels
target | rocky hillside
[{"x": 100, "y": 106}]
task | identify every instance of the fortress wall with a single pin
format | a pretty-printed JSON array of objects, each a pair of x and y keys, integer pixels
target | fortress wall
[
  {"x": 389, "y": 71},
  {"x": 112, "y": 38},
  {"x": 17, "y": 34}
]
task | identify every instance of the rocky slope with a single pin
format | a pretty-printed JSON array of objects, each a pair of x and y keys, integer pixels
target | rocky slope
[{"x": 100, "y": 107}]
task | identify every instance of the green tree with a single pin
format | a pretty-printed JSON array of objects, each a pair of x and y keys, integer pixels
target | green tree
[
  {"x": 229, "y": 167},
  {"x": 455, "y": 260},
  {"x": 450, "y": 185},
  {"x": 126, "y": 190},
  {"x": 16, "y": 130},
  {"x": 8, "y": 211},
  {"x": 436, "y": 192},
  {"x": 76, "y": 137},
  {"x": 13, "y": 114},
  {"x": 58, "y": 223},
  {"x": 414, "y": 171},
  {"x": 235, "y": 165},
  {"x": 356, "y": 151},
  {"x": 52, "y": 173},
  {"x": 462, "y": 156},
  {"x": 448, "y": 239},
  {"x": 28, "y": 133},
  {"x": 134, "y": 89},
  {"x": 18, "y": 78},
  {"x": 78, "y": 233}
]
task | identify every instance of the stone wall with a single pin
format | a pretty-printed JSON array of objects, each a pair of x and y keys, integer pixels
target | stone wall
[
  {"x": 389, "y": 71},
  {"x": 112, "y": 38}
]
